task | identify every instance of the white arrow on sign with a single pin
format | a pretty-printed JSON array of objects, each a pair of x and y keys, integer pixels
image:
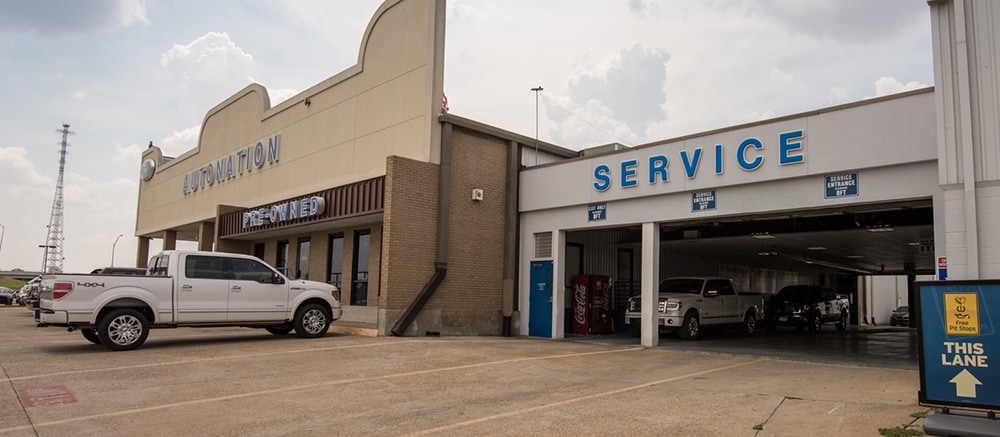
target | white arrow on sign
[{"x": 965, "y": 384}]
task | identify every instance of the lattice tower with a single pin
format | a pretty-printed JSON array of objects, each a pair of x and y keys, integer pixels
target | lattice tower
[{"x": 53, "y": 262}]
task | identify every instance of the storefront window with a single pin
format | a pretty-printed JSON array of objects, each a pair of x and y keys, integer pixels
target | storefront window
[
  {"x": 281, "y": 263},
  {"x": 336, "y": 260},
  {"x": 362, "y": 249},
  {"x": 303, "y": 265}
]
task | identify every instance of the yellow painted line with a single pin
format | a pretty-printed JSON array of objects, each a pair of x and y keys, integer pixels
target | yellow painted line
[
  {"x": 579, "y": 399},
  {"x": 312, "y": 386}
]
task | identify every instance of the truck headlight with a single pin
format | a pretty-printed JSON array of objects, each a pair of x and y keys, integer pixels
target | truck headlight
[{"x": 673, "y": 306}]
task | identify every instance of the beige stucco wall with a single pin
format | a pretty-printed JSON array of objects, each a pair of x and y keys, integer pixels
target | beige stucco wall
[{"x": 337, "y": 132}]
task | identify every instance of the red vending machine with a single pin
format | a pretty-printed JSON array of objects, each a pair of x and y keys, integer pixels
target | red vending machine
[{"x": 592, "y": 304}]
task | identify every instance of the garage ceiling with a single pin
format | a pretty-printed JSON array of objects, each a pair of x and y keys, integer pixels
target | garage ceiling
[{"x": 884, "y": 240}]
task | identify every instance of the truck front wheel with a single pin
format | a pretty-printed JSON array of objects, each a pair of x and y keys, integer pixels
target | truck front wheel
[
  {"x": 691, "y": 328},
  {"x": 843, "y": 321},
  {"x": 816, "y": 322},
  {"x": 311, "y": 321},
  {"x": 123, "y": 329}
]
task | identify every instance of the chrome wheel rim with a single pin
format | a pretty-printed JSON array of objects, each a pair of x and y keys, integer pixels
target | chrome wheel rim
[
  {"x": 313, "y": 321},
  {"x": 124, "y": 330}
]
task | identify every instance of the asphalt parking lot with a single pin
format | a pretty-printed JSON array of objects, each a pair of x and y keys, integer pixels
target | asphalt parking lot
[{"x": 234, "y": 381}]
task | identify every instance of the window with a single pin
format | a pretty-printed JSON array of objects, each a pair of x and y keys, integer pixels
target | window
[
  {"x": 281, "y": 262},
  {"x": 258, "y": 250},
  {"x": 362, "y": 250},
  {"x": 158, "y": 265},
  {"x": 204, "y": 267},
  {"x": 250, "y": 270},
  {"x": 723, "y": 287},
  {"x": 303, "y": 264},
  {"x": 336, "y": 260}
]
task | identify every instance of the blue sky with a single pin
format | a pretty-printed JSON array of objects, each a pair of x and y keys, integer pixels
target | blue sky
[{"x": 126, "y": 72}]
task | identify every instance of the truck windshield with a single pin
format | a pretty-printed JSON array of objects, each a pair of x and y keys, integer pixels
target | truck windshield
[{"x": 692, "y": 286}]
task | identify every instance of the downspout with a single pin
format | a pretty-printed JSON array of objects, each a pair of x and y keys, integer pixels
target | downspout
[
  {"x": 510, "y": 237},
  {"x": 441, "y": 261}
]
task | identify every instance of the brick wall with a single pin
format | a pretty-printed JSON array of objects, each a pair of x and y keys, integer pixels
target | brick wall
[{"x": 469, "y": 301}]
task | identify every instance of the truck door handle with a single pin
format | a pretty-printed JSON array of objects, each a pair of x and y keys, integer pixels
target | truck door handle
[
  {"x": 185, "y": 287},
  {"x": 235, "y": 288}
]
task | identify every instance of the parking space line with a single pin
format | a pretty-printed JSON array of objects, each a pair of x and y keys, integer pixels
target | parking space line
[
  {"x": 311, "y": 386},
  {"x": 579, "y": 399}
]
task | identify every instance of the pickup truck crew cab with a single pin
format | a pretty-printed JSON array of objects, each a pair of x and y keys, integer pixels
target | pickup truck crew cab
[
  {"x": 807, "y": 306},
  {"x": 186, "y": 288},
  {"x": 687, "y": 304}
]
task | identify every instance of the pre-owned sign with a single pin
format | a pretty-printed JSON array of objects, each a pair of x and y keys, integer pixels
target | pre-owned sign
[{"x": 959, "y": 344}]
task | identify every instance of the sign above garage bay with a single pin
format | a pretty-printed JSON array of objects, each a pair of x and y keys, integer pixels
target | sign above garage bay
[{"x": 750, "y": 156}]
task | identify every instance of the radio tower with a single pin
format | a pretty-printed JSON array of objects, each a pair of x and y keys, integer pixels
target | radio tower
[{"x": 53, "y": 262}]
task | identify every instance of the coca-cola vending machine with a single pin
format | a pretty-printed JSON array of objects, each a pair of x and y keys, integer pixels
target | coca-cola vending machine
[{"x": 592, "y": 304}]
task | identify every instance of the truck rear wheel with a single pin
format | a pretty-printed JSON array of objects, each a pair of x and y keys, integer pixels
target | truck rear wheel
[
  {"x": 311, "y": 321},
  {"x": 123, "y": 329},
  {"x": 691, "y": 328},
  {"x": 90, "y": 335},
  {"x": 750, "y": 323}
]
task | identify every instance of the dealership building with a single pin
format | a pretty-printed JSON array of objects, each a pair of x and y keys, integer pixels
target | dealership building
[{"x": 430, "y": 223}]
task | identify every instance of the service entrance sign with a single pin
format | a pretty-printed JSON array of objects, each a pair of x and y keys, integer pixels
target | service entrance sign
[{"x": 959, "y": 345}]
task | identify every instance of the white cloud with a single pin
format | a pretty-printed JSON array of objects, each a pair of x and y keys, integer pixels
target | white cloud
[
  {"x": 629, "y": 89},
  {"x": 889, "y": 85},
  {"x": 180, "y": 141},
  {"x": 644, "y": 8},
  {"x": 128, "y": 155},
  {"x": 280, "y": 95},
  {"x": 213, "y": 58}
]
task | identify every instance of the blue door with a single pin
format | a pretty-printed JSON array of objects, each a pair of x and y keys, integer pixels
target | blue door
[{"x": 540, "y": 312}]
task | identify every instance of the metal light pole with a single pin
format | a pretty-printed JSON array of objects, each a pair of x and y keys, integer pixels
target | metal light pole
[
  {"x": 45, "y": 263},
  {"x": 3, "y": 230},
  {"x": 536, "y": 90},
  {"x": 113, "y": 250}
]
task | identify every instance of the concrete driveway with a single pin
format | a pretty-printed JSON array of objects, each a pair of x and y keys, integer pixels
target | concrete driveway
[{"x": 234, "y": 381}]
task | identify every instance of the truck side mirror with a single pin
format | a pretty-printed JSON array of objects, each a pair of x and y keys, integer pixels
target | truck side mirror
[{"x": 277, "y": 279}]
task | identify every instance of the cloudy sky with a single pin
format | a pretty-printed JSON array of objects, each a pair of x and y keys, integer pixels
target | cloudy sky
[{"x": 123, "y": 73}]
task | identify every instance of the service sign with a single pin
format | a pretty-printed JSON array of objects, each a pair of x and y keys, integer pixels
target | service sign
[
  {"x": 597, "y": 212},
  {"x": 959, "y": 345},
  {"x": 703, "y": 201}
]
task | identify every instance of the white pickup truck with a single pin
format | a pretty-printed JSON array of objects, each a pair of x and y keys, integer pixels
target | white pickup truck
[
  {"x": 186, "y": 289},
  {"x": 686, "y": 304}
]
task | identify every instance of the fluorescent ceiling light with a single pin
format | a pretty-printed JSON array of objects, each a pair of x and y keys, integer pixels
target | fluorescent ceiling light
[{"x": 762, "y": 235}]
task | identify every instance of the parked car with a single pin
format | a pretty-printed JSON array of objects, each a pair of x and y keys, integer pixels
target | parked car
[
  {"x": 900, "y": 316},
  {"x": 32, "y": 293},
  {"x": 6, "y": 296},
  {"x": 805, "y": 306}
]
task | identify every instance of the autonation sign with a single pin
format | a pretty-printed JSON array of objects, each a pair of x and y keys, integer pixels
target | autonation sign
[
  {"x": 255, "y": 155},
  {"x": 749, "y": 157},
  {"x": 284, "y": 211}
]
